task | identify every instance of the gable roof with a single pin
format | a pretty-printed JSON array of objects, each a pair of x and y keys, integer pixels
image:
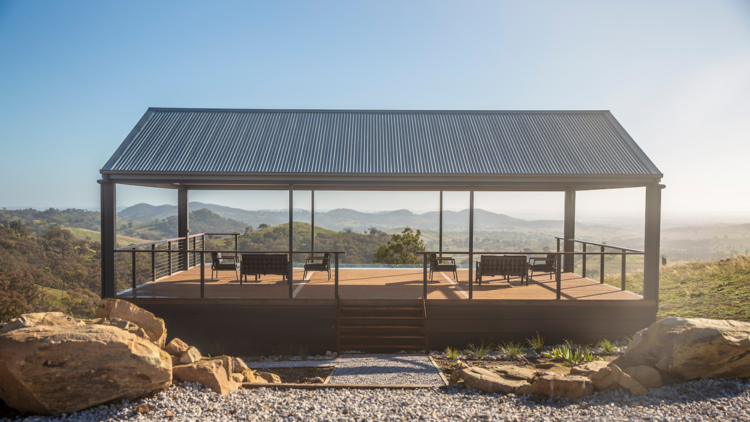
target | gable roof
[{"x": 199, "y": 142}]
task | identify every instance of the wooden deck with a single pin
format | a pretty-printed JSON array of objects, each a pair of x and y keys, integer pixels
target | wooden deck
[{"x": 375, "y": 284}]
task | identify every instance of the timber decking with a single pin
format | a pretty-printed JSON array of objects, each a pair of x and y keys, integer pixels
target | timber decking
[{"x": 375, "y": 284}]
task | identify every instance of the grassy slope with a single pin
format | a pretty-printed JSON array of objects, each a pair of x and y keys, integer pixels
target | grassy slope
[
  {"x": 718, "y": 289},
  {"x": 93, "y": 235}
]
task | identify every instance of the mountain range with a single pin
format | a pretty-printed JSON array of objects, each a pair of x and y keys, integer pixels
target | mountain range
[{"x": 339, "y": 219}]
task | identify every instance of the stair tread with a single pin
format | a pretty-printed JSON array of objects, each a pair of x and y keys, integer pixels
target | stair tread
[
  {"x": 370, "y": 346},
  {"x": 382, "y": 308},
  {"x": 412, "y": 327},
  {"x": 379, "y": 317},
  {"x": 376, "y": 336}
]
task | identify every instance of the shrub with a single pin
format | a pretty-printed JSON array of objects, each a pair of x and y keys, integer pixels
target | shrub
[
  {"x": 452, "y": 353},
  {"x": 606, "y": 346},
  {"x": 479, "y": 351},
  {"x": 303, "y": 352},
  {"x": 511, "y": 349},
  {"x": 572, "y": 354},
  {"x": 537, "y": 343}
]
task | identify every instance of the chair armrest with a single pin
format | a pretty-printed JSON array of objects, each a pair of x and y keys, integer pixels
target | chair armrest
[
  {"x": 538, "y": 259},
  {"x": 445, "y": 259}
]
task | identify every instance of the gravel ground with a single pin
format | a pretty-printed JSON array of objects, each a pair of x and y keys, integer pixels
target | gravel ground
[
  {"x": 705, "y": 400},
  {"x": 385, "y": 369},
  {"x": 291, "y": 363}
]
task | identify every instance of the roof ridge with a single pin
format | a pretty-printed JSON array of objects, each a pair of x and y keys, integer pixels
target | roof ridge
[{"x": 312, "y": 110}]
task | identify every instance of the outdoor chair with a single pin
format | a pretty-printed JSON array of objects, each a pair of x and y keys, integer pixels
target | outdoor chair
[
  {"x": 264, "y": 264},
  {"x": 438, "y": 263},
  {"x": 318, "y": 263},
  {"x": 543, "y": 265},
  {"x": 507, "y": 266},
  {"x": 223, "y": 263}
]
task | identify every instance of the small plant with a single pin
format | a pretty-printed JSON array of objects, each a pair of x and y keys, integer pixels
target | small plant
[
  {"x": 511, "y": 349},
  {"x": 303, "y": 352},
  {"x": 606, "y": 346},
  {"x": 215, "y": 348},
  {"x": 254, "y": 356},
  {"x": 452, "y": 353},
  {"x": 537, "y": 343},
  {"x": 479, "y": 351},
  {"x": 282, "y": 351},
  {"x": 572, "y": 354}
]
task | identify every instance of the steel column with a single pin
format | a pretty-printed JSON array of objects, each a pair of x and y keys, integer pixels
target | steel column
[
  {"x": 471, "y": 243},
  {"x": 108, "y": 238},
  {"x": 312, "y": 223},
  {"x": 440, "y": 229},
  {"x": 583, "y": 261},
  {"x": 651, "y": 244},
  {"x": 336, "y": 276},
  {"x": 183, "y": 224},
  {"x": 153, "y": 263},
  {"x": 622, "y": 271},
  {"x": 291, "y": 242},
  {"x": 569, "y": 230},
  {"x": 424, "y": 276},
  {"x": 134, "y": 272},
  {"x": 203, "y": 273},
  {"x": 601, "y": 266},
  {"x": 558, "y": 276}
]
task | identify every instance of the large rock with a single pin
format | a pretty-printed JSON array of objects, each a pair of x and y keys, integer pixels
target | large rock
[
  {"x": 66, "y": 367},
  {"x": 456, "y": 374},
  {"x": 626, "y": 381},
  {"x": 191, "y": 355},
  {"x": 176, "y": 347},
  {"x": 210, "y": 373},
  {"x": 603, "y": 380},
  {"x": 249, "y": 375},
  {"x": 555, "y": 385},
  {"x": 694, "y": 348},
  {"x": 239, "y": 366},
  {"x": 41, "y": 318},
  {"x": 589, "y": 368},
  {"x": 267, "y": 377},
  {"x": 645, "y": 375},
  {"x": 116, "y": 308},
  {"x": 516, "y": 372},
  {"x": 490, "y": 382}
]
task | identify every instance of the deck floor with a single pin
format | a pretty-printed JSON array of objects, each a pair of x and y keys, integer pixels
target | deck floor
[{"x": 375, "y": 284}]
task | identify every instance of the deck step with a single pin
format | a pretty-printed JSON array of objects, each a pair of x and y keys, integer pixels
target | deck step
[
  {"x": 378, "y": 336},
  {"x": 392, "y": 327},
  {"x": 378, "y": 317},
  {"x": 371, "y": 346},
  {"x": 380, "y": 308}
]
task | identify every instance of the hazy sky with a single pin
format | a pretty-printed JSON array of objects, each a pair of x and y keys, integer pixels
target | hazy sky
[{"x": 76, "y": 76}]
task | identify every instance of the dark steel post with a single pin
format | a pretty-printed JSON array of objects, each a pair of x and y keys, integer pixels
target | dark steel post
[
  {"x": 183, "y": 227},
  {"x": 235, "y": 244},
  {"x": 203, "y": 274},
  {"x": 558, "y": 244},
  {"x": 601, "y": 267},
  {"x": 291, "y": 240},
  {"x": 558, "y": 276},
  {"x": 153, "y": 262},
  {"x": 471, "y": 243},
  {"x": 583, "y": 273},
  {"x": 108, "y": 238},
  {"x": 134, "y": 282},
  {"x": 569, "y": 230},
  {"x": 336, "y": 277},
  {"x": 440, "y": 232},
  {"x": 424, "y": 276},
  {"x": 623, "y": 270},
  {"x": 169, "y": 246},
  {"x": 312, "y": 223}
]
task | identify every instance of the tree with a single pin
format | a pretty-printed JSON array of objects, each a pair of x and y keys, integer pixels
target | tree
[
  {"x": 263, "y": 226},
  {"x": 248, "y": 229},
  {"x": 401, "y": 249}
]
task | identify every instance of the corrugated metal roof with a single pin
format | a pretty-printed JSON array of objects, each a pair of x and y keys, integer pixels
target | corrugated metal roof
[{"x": 380, "y": 142}]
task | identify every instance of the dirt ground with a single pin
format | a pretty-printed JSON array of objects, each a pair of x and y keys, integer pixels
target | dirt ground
[
  {"x": 294, "y": 375},
  {"x": 552, "y": 365}
]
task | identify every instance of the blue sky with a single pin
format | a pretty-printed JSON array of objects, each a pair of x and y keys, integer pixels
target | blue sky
[{"x": 76, "y": 76}]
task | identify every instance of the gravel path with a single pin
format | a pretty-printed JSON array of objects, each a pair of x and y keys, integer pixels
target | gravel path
[
  {"x": 385, "y": 369},
  {"x": 705, "y": 400}
]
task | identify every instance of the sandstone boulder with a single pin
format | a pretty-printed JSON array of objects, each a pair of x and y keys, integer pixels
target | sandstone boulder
[
  {"x": 176, "y": 347},
  {"x": 191, "y": 355},
  {"x": 603, "y": 380},
  {"x": 210, "y": 373},
  {"x": 516, "y": 372},
  {"x": 589, "y": 368},
  {"x": 456, "y": 375},
  {"x": 249, "y": 375},
  {"x": 63, "y": 368},
  {"x": 238, "y": 378},
  {"x": 694, "y": 348},
  {"x": 626, "y": 381},
  {"x": 116, "y": 308},
  {"x": 41, "y": 318},
  {"x": 645, "y": 375},
  {"x": 239, "y": 365},
  {"x": 267, "y": 377},
  {"x": 555, "y": 385},
  {"x": 490, "y": 382}
]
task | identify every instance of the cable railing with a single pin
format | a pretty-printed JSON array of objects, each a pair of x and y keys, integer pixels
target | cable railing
[
  {"x": 163, "y": 258},
  {"x": 585, "y": 246}
]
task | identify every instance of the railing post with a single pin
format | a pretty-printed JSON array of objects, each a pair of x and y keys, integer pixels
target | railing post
[
  {"x": 134, "y": 282},
  {"x": 471, "y": 282},
  {"x": 169, "y": 246},
  {"x": 424, "y": 276},
  {"x": 583, "y": 261},
  {"x": 558, "y": 243},
  {"x": 203, "y": 274},
  {"x": 235, "y": 245},
  {"x": 291, "y": 275},
  {"x": 623, "y": 275},
  {"x": 336, "y": 276},
  {"x": 601, "y": 266},
  {"x": 558, "y": 275},
  {"x": 153, "y": 262}
]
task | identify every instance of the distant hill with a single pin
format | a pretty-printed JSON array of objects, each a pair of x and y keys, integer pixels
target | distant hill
[{"x": 342, "y": 218}]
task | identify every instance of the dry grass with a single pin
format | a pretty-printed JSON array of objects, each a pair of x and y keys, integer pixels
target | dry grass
[{"x": 718, "y": 289}]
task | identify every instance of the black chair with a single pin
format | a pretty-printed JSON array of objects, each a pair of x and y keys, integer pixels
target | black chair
[
  {"x": 221, "y": 263},
  {"x": 264, "y": 264},
  {"x": 543, "y": 265},
  {"x": 318, "y": 263},
  {"x": 507, "y": 266},
  {"x": 438, "y": 263}
]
